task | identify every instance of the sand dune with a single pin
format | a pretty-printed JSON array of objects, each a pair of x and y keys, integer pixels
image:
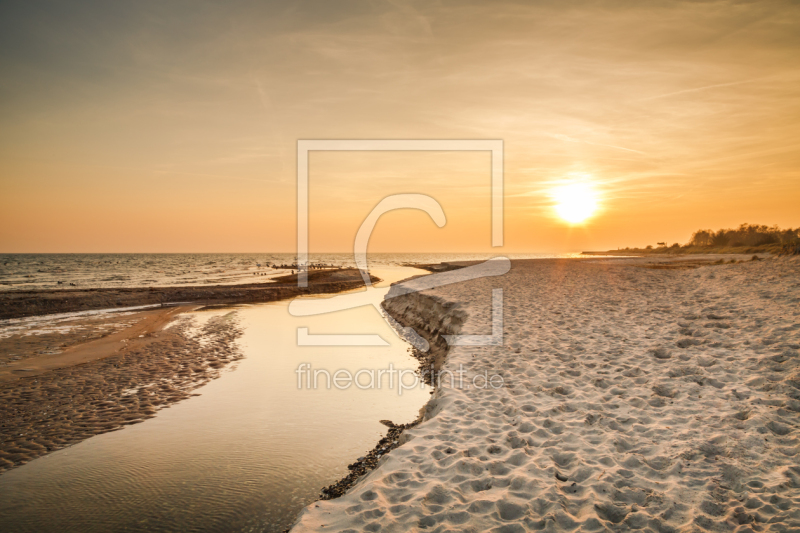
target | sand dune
[{"x": 634, "y": 398}]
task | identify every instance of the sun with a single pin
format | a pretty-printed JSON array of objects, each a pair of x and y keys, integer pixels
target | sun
[{"x": 575, "y": 202}]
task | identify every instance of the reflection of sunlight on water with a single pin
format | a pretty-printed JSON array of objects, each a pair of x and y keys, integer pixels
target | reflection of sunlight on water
[{"x": 245, "y": 455}]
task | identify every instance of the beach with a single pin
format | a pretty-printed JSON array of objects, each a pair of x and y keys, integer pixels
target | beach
[
  {"x": 632, "y": 395},
  {"x": 660, "y": 394}
]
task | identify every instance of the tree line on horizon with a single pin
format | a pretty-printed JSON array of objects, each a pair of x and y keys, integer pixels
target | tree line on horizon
[
  {"x": 745, "y": 235},
  {"x": 754, "y": 237}
]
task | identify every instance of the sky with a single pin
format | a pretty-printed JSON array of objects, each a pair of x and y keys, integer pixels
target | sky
[{"x": 173, "y": 126}]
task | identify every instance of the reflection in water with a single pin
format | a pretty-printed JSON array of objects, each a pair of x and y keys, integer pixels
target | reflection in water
[{"x": 246, "y": 455}]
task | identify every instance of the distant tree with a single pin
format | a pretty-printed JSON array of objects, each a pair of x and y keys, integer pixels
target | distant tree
[
  {"x": 745, "y": 235},
  {"x": 661, "y": 243},
  {"x": 720, "y": 238},
  {"x": 648, "y": 247},
  {"x": 702, "y": 237}
]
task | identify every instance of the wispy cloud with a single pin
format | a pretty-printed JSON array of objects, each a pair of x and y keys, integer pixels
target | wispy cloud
[
  {"x": 699, "y": 89},
  {"x": 563, "y": 137},
  {"x": 173, "y": 173}
]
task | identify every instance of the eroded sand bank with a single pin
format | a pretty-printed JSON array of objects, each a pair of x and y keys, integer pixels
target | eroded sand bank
[{"x": 633, "y": 398}]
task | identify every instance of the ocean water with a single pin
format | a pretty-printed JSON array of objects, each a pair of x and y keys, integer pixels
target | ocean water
[{"x": 59, "y": 271}]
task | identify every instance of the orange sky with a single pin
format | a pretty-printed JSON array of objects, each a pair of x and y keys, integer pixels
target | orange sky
[{"x": 172, "y": 127}]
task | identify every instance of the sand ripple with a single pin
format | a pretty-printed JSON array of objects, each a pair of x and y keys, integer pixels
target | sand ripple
[{"x": 42, "y": 413}]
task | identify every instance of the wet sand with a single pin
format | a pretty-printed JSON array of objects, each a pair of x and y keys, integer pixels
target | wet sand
[
  {"x": 70, "y": 378},
  {"x": 34, "y": 347},
  {"x": 633, "y": 398},
  {"x": 109, "y": 383}
]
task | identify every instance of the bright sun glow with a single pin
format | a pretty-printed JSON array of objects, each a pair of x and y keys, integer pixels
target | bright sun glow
[{"x": 575, "y": 202}]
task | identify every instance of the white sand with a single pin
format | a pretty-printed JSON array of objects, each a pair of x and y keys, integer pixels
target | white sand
[{"x": 667, "y": 399}]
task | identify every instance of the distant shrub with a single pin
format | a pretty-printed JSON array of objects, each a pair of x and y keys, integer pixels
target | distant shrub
[{"x": 791, "y": 248}]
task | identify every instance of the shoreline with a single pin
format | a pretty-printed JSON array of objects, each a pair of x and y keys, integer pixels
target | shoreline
[
  {"x": 568, "y": 429},
  {"x": 40, "y": 302},
  {"x": 430, "y": 363}
]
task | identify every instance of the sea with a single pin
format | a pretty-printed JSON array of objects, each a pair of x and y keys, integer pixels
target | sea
[{"x": 65, "y": 271}]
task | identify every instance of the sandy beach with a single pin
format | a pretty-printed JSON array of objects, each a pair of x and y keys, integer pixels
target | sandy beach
[{"x": 632, "y": 397}]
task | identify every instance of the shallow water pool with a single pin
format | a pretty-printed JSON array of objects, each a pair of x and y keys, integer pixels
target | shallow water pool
[{"x": 246, "y": 455}]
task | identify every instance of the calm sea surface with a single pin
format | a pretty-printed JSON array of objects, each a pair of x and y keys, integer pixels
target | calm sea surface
[{"x": 45, "y": 271}]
